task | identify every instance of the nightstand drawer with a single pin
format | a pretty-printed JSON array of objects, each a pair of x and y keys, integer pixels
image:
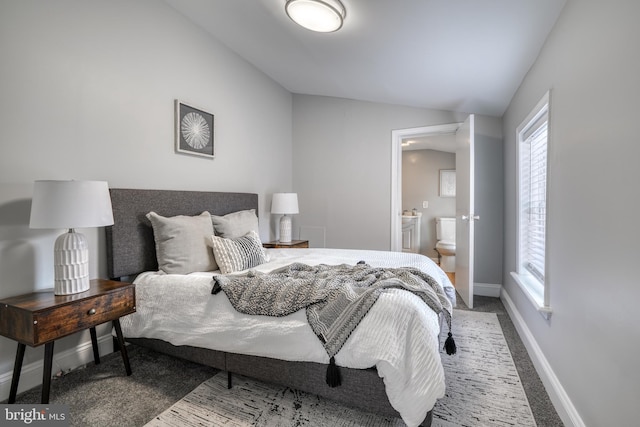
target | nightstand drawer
[{"x": 67, "y": 319}]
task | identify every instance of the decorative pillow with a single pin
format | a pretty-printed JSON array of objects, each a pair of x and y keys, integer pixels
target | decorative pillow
[
  {"x": 181, "y": 243},
  {"x": 239, "y": 253},
  {"x": 235, "y": 224}
]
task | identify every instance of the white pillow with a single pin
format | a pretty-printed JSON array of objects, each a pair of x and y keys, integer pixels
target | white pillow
[
  {"x": 235, "y": 224},
  {"x": 239, "y": 253},
  {"x": 181, "y": 243}
]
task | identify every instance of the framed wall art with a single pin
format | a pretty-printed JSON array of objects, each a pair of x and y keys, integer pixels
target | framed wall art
[
  {"x": 194, "y": 131},
  {"x": 447, "y": 183}
]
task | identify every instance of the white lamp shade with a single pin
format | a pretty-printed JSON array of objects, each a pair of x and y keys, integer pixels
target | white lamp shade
[
  {"x": 284, "y": 203},
  {"x": 70, "y": 204}
]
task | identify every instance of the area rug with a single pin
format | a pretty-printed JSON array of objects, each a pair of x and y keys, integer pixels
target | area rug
[{"x": 483, "y": 389}]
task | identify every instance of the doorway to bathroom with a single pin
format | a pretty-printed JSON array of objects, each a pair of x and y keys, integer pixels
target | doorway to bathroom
[
  {"x": 428, "y": 194},
  {"x": 441, "y": 147}
]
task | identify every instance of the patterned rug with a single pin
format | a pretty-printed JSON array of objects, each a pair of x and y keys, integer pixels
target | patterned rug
[{"x": 483, "y": 389}]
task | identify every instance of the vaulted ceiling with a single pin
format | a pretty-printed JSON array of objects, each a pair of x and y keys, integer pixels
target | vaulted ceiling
[{"x": 457, "y": 55}]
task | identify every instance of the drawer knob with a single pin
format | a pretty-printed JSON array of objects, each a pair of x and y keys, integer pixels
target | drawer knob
[{"x": 91, "y": 312}]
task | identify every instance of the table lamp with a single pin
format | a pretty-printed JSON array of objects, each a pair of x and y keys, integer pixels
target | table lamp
[
  {"x": 285, "y": 204},
  {"x": 70, "y": 204}
]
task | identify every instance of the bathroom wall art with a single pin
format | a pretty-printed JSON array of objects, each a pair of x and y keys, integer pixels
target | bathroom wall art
[{"x": 447, "y": 183}]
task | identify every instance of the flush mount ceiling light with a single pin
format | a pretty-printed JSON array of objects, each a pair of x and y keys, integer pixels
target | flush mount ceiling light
[{"x": 323, "y": 16}]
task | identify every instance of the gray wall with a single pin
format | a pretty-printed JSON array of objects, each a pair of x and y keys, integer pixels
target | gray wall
[
  {"x": 489, "y": 200},
  {"x": 342, "y": 166},
  {"x": 591, "y": 344},
  {"x": 87, "y": 93},
  {"x": 420, "y": 182}
]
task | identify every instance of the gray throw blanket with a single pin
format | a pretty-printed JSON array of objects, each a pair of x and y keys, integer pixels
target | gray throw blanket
[{"x": 336, "y": 298}]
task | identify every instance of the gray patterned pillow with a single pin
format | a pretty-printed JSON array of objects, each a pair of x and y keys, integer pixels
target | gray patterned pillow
[{"x": 239, "y": 253}]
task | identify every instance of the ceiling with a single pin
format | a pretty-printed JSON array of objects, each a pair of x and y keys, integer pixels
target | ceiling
[{"x": 456, "y": 55}]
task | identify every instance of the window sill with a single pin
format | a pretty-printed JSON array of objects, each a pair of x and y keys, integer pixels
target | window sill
[{"x": 535, "y": 298}]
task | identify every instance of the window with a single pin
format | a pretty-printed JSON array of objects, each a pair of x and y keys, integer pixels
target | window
[{"x": 533, "y": 141}]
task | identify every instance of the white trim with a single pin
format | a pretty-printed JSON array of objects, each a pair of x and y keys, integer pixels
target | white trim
[
  {"x": 487, "y": 289},
  {"x": 545, "y": 100},
  {"x": 396, "y": 190},
  {"x": 536, "y": 300},
  {"x": 67, "y": 360},
  {"x": 396, "y": 173},
  {"x": 558, "y": 395}
]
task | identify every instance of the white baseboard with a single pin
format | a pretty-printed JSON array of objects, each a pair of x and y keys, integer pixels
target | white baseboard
[
  {"x": 487, "y": 289},
  {"x": 561, "y": 401},
  {"x": 31, "y": 375}
]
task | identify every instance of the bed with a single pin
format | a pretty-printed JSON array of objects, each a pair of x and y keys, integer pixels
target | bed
[{"x": 177, "y": 314}]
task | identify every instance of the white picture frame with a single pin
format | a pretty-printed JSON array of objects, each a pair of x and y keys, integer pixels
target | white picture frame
[{"x": 447, "y": 183}]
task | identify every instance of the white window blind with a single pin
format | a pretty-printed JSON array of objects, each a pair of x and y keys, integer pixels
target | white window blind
[{"x": 533, "y": 194}]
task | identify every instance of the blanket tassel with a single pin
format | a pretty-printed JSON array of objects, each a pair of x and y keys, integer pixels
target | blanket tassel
[
  {"x": 450, "y": 345},
  {"x": 333, "y": 374},
  {"x": 216, "y": 287}
]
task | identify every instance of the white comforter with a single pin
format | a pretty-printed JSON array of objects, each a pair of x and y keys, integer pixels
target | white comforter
[{"x": 399, "y": 335}]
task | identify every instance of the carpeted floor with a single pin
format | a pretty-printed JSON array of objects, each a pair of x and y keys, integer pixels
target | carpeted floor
[
  {"x": 104, "y": 396},
  {"x": 541, "y": 406}
]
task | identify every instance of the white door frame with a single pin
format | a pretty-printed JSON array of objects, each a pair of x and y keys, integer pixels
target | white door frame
[{"x": 396, "y": 173}]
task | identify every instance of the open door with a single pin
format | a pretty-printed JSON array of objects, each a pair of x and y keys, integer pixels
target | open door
[{"x": 465, "y": 217}]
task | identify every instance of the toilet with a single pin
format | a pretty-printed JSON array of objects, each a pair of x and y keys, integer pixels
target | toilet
[{"x": 446, "y": 243}]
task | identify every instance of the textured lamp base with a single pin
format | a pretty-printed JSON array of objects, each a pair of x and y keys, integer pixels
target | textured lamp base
[
  {"x": 285, "y": 229},
  {"x": 71, "y": 264}
]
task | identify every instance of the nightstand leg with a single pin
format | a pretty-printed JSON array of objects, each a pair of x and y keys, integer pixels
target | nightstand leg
[
  {"x": 17, "y": 368},
  {"x": 123, "y": 347},
  {"x": 94, "y": 344},
  {"x": 46, "y": 375}
]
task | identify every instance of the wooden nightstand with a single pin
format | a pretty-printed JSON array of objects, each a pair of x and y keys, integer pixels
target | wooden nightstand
[
  {"x": 42, "y": 317},
  {"x": 292, "y": 244}
]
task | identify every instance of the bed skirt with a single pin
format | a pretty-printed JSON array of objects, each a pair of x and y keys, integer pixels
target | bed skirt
[{"x": 361, "y": 388}]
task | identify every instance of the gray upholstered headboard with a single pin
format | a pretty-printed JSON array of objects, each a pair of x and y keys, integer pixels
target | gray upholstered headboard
[{"x": 130, "y": 245}]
